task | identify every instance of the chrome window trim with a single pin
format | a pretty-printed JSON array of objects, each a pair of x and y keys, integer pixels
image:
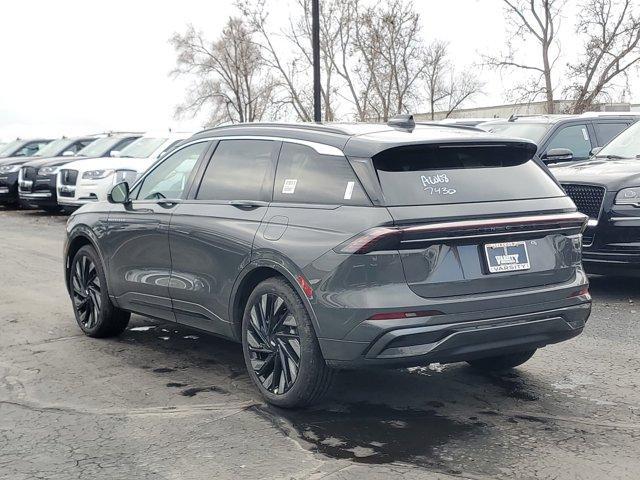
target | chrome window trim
[{"x": 320, "y": 148}]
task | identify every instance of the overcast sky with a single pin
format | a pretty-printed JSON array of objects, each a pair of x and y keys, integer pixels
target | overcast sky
[{"x": 73, "y": 67}]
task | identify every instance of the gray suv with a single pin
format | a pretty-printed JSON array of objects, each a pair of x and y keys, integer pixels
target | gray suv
[{"x": 338, "y": 246}]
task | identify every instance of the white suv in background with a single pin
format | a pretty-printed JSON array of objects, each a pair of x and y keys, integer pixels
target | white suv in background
[{"x": 90, "y": 180}]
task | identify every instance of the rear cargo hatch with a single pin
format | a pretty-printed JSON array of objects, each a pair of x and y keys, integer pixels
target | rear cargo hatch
[{"x": 472, "y": 218}]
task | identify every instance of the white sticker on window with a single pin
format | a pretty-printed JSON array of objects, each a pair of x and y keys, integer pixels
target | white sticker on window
[
  {"x": 289, "y": 185},
  {"x": 349, "y": 190},
  {"x": 585, "y": 134}
]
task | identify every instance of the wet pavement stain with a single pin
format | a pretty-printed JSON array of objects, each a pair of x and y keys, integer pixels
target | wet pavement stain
[
  {"x": 192, "y": 392},
  {"x": 513, "y": 385},
  {"x": 176, "y": 385},
  {"x": 372, "y": 434},
  {"x": 163, "y": 370}
]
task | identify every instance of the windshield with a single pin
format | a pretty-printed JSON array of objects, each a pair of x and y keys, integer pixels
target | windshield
[
  {"x": 54, "y": 148},
  {"x": 100, "y": 147},
  {"x": 9, "y": 148},
  {"x": 142, "y": 147},
  {"x": 530, "y": 131},
  {"x": 625, "y": 145}
]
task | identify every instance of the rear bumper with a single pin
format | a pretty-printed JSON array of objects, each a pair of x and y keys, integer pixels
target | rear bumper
[{"x": 455, "y": 342}]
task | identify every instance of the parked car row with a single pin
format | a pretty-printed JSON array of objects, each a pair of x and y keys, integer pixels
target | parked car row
[{"x": 69, "y": 172}]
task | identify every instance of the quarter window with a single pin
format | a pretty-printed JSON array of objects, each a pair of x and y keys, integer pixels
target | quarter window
[
  {"x": 169, "y": 179},
  {"x": 305, "y": 176},
  {"x": 239, "y": 170},
  {"x": 575, "y": 138}
]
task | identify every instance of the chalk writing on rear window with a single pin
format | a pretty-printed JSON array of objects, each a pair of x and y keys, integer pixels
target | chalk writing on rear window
[{"x": 436, "y": 184}]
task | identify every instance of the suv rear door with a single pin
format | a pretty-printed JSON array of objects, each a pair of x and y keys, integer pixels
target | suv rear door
[{"x": 212, "y": 231}]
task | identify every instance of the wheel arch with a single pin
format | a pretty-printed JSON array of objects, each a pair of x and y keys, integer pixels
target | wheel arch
[
  {"x": 78, "y": 238},
  {"x": 249, "y": 278}
]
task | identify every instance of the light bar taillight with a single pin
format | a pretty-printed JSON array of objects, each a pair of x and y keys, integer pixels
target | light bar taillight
[
  {"x": 399, "y": 315},
  {"x": 393, "y": 238},
  {"x": 378, "y": 238}
]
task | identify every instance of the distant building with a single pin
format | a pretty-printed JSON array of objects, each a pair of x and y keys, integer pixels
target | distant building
[{"x": 532, "y": 108}]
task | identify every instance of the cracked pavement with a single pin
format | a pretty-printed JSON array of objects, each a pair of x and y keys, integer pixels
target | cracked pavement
[{"x": 165, "y": 402}]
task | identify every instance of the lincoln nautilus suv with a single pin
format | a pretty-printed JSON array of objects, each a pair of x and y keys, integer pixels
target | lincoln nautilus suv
[{"x": 319, "y": 247}]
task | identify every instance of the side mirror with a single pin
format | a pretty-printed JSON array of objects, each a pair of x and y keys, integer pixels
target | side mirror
[
  {"x": 119, "y": 193},
  {"x": 558, "y": 155},
  {"x": 595, "y": 151},
  {"x": 68, "y": 153},
  {"x": 115, "y": 153}
]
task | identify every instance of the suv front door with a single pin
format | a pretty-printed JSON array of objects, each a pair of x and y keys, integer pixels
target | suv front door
[
  {"x": 137, "y": 237},
  {"x": 212, "y": 232}
]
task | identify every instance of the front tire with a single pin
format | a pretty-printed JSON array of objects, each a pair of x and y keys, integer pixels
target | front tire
[
  {"x": 502, "y": 362},
  {"x": 94, "y": 312},
  {"x": 281, "y": 349}
]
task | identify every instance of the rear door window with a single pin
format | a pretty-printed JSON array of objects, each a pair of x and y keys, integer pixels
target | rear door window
[
  {"x": 574, "y": 137},
  {"x": 608, "y": 131},
  {"x": 305, "y": 176},
  {"x": 239, "y": 170},
  {"x": 440, "y": 174}
]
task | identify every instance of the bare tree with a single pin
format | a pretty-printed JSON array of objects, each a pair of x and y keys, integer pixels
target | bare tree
[
  {"x": 611, "y": 49},
  {"x": 435, "y": 73},
  {"x": 228, "y": 74},
  {"x": 537, "y": 21},
  {"x": 461, "y": 88},
  {"x": 291, "y": 69},
  {"x": 387, "y": 37}
]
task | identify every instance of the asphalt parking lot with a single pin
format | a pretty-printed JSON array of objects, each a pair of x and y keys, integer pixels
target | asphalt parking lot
[{"x": 165, "y": 402}]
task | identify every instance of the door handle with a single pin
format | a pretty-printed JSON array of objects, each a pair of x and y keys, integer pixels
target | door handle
[{"x": 248, "y": 204}]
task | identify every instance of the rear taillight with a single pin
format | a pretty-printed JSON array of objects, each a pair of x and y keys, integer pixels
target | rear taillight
[
  {"x": 374, "y": 239},
  {"x": 398, "y": 315}
]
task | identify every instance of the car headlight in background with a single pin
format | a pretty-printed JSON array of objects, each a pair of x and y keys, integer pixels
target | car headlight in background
[
  {"x": 10, "y": 168},
  {"x": 628, "y": 196},
  {"x": 44, "y": 171},
  {"x": 97, "y": 174}
]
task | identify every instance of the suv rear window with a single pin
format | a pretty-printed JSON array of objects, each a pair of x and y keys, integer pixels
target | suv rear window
[
  {"x": 440, "y": 174},
  {"x": 305, "y": 176}
]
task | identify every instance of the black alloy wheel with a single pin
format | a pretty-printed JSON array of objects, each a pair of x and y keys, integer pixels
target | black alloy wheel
[
  {"x": 95, "y": 313},
  {"x": 86, "y": 292},
  {"x": 273, "y": 342}
]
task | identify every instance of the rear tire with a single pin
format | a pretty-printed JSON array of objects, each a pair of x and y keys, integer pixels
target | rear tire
[
  {"x": 502, "y": 362},
  {"x": 94, "y": 312},
  {"x": 281, "y": 349}
]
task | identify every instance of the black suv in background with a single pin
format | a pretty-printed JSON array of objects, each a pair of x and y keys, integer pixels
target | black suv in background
[
  {"x": 37, "y": 179},
  {"x": 23, "y": 151},
  {"x": 342, "y": 245},
  {"x": 564, "y": 138},
  {"x": 607, "y": 189}
]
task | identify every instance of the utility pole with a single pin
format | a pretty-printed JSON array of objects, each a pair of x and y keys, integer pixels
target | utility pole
[{"x": 315, "y": 44}]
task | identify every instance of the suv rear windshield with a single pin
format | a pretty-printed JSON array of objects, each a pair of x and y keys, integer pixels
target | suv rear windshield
[{"x": 440, "y": 174}]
